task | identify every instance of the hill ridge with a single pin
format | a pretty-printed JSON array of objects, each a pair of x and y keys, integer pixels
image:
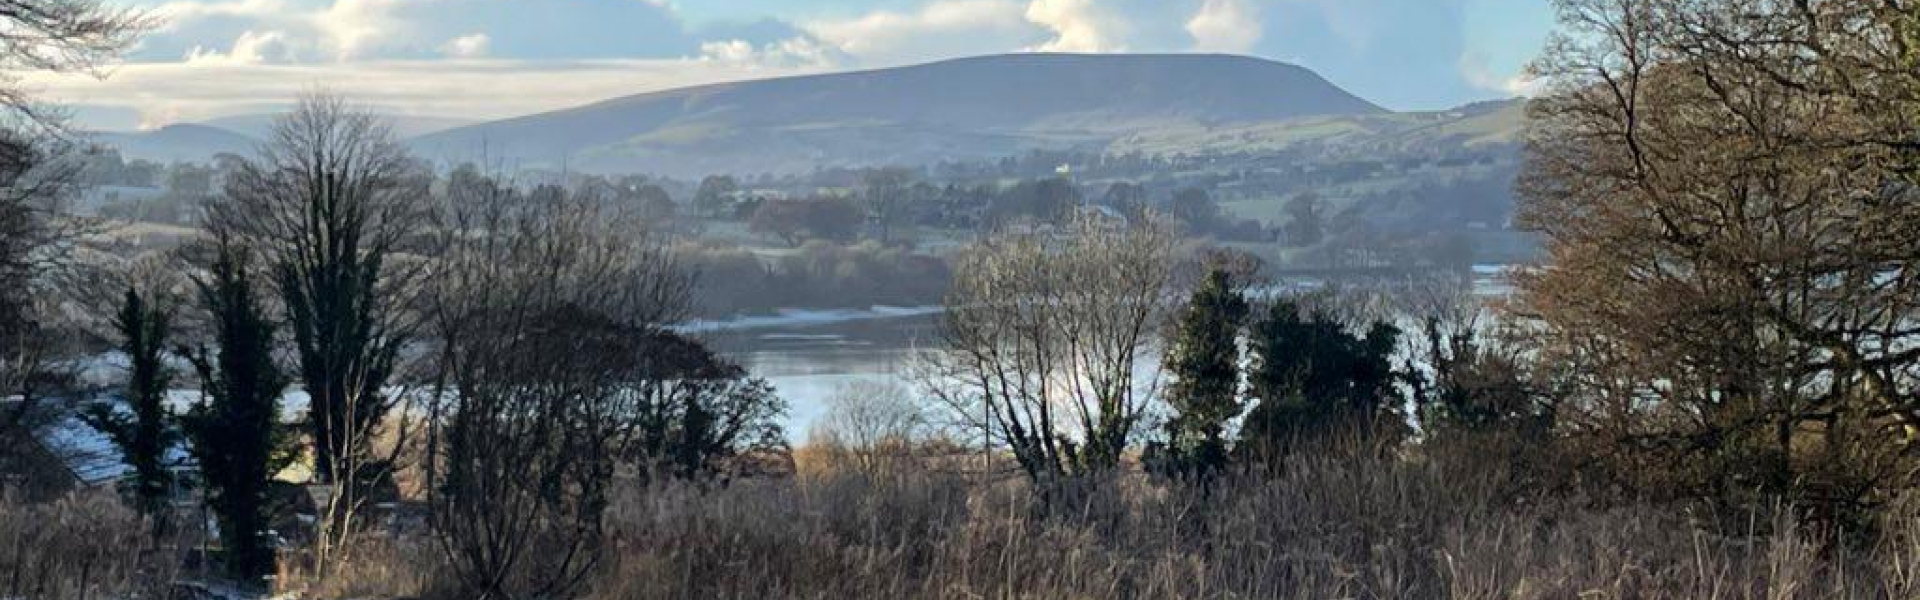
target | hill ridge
[{"x": 959, "y": 108}]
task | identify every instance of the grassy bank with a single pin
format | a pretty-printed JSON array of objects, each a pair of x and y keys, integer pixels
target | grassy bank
[{"x": 1324, "y": 527}]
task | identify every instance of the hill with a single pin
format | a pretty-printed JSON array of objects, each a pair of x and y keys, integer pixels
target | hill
[
  {"x": 185, "y": 142},
  {"x": 1484, "y": 125},
  {"x": 958, "y": 109},
  {"x": 259, "y": 124}
]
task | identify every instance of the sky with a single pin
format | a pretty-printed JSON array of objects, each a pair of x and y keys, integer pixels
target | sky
[{"x": 485, "y": 59}]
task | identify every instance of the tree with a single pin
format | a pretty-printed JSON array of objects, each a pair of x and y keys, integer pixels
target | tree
[
  {"x": 52, "y": 35},
  {"x": 870, "y": 427},
  {"x": 1043, "y": 337},
  {"x": 1127, "y": 197},
  {"x": 1466, "y": 376},
  {"x": 1195, "y": 207},
  {"x": 714, "y": 194},
  {"x": 57, "y": 36},
  {"x": 234, "y": 431},
  {"x": 888, "y": 195},
  {"x": 330, "y": 203},
  {"x": 1204, "y": 360},
  {"x": 794, "y": 221},
  {"x": 144, "y": 436},
  {"x": 1312, "y": 379},
  {"x": 1051, "y": 200},
  {"x": 693, "y": 409},
  {"x": 550, "y": 312},
  {"x": 1726, "y": 191},
  {"x": 1306, "y": 225},
  {"x": 655, "y": 204}
]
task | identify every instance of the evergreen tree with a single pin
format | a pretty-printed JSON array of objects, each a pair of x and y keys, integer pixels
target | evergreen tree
[
  {"x": 1313, "y": 377},
  {"x": 143, "y": 433},
  {"x": 234, "y": 431},
  {"x": 1205, "y": 363}
]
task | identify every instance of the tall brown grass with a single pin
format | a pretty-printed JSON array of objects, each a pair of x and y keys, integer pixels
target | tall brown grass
[
  {"x": 1324, "y": 528},
  {"x": 83, "y": 546},
  {"x": 372, "y": 567},
  {"x": 1321, "y": 527}
]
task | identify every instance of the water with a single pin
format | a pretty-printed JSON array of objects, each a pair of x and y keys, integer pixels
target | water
[{"x": 808, "y": 354}]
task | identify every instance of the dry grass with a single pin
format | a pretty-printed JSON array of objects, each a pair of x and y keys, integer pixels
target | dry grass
[
  {"x": 375, "y": 567},
  {"x": 1324, "y": 528},
  {"x": 84, "y": 546}
]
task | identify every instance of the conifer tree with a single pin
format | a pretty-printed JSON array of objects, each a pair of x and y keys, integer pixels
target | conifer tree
[
  {"x": 1312, "y": 377},
  {"x": 235, "y": 432},
  {"x": 1205, "y": 363},
  {"x": 144, "y": 432}
]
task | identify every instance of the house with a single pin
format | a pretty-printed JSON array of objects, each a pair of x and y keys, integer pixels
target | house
[{"x": 54, "y": 451}]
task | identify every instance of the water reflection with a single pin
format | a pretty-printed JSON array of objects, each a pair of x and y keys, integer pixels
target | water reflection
[{"x": 806, "y": 355}]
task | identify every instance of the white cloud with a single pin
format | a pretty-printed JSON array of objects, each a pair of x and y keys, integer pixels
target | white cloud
[
  {"x": 1078, "y": 26},
  {"x": 351, "y": 24},
  {"x": 165, "y": 93},
  {"x": 346, "y": 30},
  {"x": 252, "y": 48},
  {"x": 1231, "y": 26},
  {"x": 728, "y": 51},
  {"x": 1477, "y": 70},
  {"x": 797, "y": 52},
  {"x": 939, "y": 29},
  {"x": 473, "y": 45}
]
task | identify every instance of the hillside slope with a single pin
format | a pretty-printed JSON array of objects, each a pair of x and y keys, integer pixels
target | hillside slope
[
  {"x": 966, "y": 108},
  {"x": 184, "y": 142}
]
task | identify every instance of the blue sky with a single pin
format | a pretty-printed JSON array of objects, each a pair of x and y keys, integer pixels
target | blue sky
[{"x": 495, "y": 58}]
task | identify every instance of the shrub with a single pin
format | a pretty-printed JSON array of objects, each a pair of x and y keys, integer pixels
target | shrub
[{"x": 85, "y": 545}]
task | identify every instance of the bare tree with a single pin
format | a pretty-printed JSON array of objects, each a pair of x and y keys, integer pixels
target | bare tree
[
  {"x": 871, "y": 427},
  {"x": 549, "y": 312},
  {"x": 1727, "y": 190},
  {"x": 331, "y": 203},
  {"x": 1047, "y": 341},
  {"x": 888, "y": 195},
  {"x": 35, "y": 235}
]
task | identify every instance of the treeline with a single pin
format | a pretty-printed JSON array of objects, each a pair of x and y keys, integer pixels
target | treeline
[
  {"x": 886, "y": 202},
  {"x": 734, "y": 280},
  {"x": 1728, "y": 313},
  {"x": 503, "y": 351}
]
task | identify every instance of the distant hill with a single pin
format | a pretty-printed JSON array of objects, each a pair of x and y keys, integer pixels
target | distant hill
[
  {"x": 1480, "y": 125},
  {"x": 958, "y": 109},
  {"x": 187, "y": 143},
  {"x": 404, "y": 126}
]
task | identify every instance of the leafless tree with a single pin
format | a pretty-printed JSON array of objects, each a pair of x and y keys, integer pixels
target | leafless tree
[
  {"x": 549, "y": 312},
  {"x": 1727, "y": 190},
  {"x": 871, "y": 427},
  {"x": 1046, "y": 341},
  {"x": 332, "y": 203},
  {"x": 888, "y": 195},
  {"x": 35, "y": 176}
]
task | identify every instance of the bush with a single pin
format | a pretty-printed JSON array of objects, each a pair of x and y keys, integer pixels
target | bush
[
  {"x": 1324, "y": 527},
  {"x": 373, "y": 566},
  {"x": 82, "y": 546}
]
